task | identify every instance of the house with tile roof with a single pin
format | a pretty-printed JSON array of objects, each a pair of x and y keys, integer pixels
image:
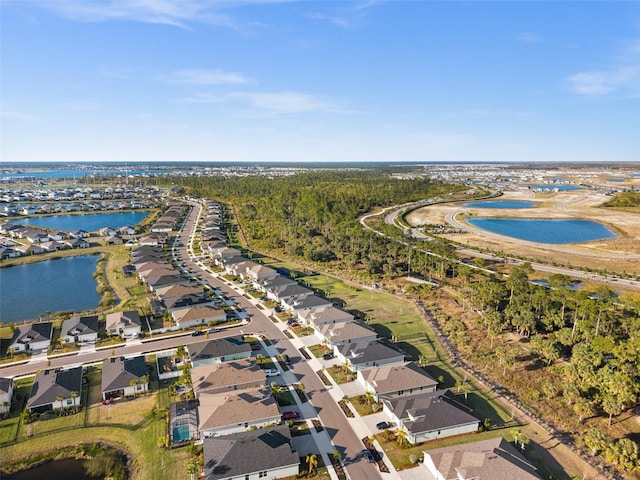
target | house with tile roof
[
  {"x": 197, "y": 315},
  {"x": 124, "y": 377},
  {"x": 82, "y": 329},
  {"x": 219, "y": 350},
  {"x": 345, "y": 332},
  {"x": 263, "y": 453},
  {"x": 231, "y": 412},
  {"x": 363, "y": 355},
  {"x": 127, "y": 324},
  {"x": 493, "y": 459},
  {"x": 227, "y": 377},
  {"x": 31, "y": 337},
  {"x": 396, "y": 380},
  {"x": 55, "y": 389},
  {"x": 428, "y": 416}
]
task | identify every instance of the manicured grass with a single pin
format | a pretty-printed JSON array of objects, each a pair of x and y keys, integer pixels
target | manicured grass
[
  {"x": 339, "y": 375},
  {"x": 362, "y": 407},
  {"x": 318, "y": 350}
]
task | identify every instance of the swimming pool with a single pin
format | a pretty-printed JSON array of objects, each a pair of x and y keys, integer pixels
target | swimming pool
[{"x": 180, "y": 433}]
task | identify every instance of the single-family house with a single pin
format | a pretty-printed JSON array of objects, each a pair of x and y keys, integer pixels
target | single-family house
[
  {"x": 319, "y": 317},
  {"x": 58, "y": 236},
  {"x": 346, "y": 332},
  {"x": 219, "y": 350},
  {"x": 56, "y": 389},
  {"x": 252, "y": 455},
  {"x": 428, "y": 416},
  {"x": 224, "y": 254},
  {"x": 259, "y": 273},
  {"x": 53, "y": 246},
  {"x": 80, "y": 329},
  {"x": 279, "y": 281},
  {"x": 127, "y": 324},
  {"x": 396, "y": 380},
  {"x": 227, "y": 377},
  {"x": 31, "y": 337},
  {"x": 114, "y": 240},
  {"x": 6, "y": 393},
  {"x": 8, "y": 252},
  {"x": 29, "y": 249},
  {"x": 198, "y": 315},
  {"x": 166, "y": 280},
  {"x": 108, "y": 232},
  {"x": 310, "y": 302},
  {"x": 78, "y": 234},
  {"x": 289, "y": 294},
  {"x": 78, "y": 243},
  {"x": 231, "y": 412},
  {"x": 124, "y": 377},
  {"x": 127, "y": 230},
  {"x": 494, "y": 459},
  {"x": 363, "y": 355}
]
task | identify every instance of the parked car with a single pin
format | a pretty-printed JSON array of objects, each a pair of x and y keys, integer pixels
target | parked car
[
  {"x": 255, "y": 346},
  {"x": 197, "y": 333},
  {"x": 294, "y": 324},
  {"x": 328, "y": 356},
  {"x": 271, "y": 372},
  {"x": 290, "y": 415},
  {"x": 213, "y": 330},
  {"x": 368, "y": 456},
  {"x": 383, "y": 425}
]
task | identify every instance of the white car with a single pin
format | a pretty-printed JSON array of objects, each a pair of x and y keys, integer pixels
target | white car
[{"x": 271, "y": 372}]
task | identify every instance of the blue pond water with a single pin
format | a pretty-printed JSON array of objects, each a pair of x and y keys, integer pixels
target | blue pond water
[
  {"x": 53, "y": 285},
  {"x": 615, "y": 179},
  {"x": 78, "y": 173},
  {"x": 69, "y": 469},
  {"x": 545, "y": 231},
  {"x": 560, "y": 188},
  {"x": 89, "y": 222},
  {"x": 499, "y": 204}
]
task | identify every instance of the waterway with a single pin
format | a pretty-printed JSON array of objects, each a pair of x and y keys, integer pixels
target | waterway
[
  {"x": 499, "y": 204},
  {"x": 89, "y": 222},
  {"x": 560, "y": 188},
  {"x": 63, "y": 284},
  {"x": 68, "y": 469},
  {"x": 545, "y": 231}
]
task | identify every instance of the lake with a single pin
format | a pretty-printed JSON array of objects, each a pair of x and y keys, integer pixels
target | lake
[
  {"x": 89, "y": 222},
  {"x": 560, "y": 188},
  {"x": 69, "y": 469},
  {"x": 53, "y": 285},
  {"x": 617, "y": 180},
  {"x": 500, "y": 204},
  {"x": 544, "y": 230}
]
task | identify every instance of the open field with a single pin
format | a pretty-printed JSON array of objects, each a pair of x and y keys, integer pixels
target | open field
[{"x": 617, "y": 254}]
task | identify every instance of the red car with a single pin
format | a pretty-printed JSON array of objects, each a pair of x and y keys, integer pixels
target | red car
[
  {"x": 255, "y": 346},
  {"x": 290, "y": 415}
]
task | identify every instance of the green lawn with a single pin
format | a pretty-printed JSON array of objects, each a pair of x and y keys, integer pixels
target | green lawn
[{"x": 339, "y": 375}]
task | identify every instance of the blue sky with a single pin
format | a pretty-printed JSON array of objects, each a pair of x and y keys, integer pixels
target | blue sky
[{"x": 203, "y": 80}]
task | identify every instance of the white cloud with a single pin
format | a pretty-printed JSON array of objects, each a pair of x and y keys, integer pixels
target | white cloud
[
  {"x": 274, "y": 102},
  {"x": 334, "y": 20},
  {"x": 528, "y": 37},
  {"x": 203, "y": 77},
  {"x": 286, "y": 102},
  {"x": 605, "y": 82},
  {"x": 621, "y": 76},
  {"x": 169, "y": 12}
]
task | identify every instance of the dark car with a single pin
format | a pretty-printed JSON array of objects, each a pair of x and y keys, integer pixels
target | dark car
[
  {"x": 290, "y": 415},
  {"x": 197, "y": 333},
  {"x": 383, "y": 425},
  {"x": 255, "y": 347},
  {"x": 328, "y": 356},
  {"x": 368, "y": 456}
]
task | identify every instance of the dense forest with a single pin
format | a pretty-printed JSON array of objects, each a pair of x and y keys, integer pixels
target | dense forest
[{"x": 577, "y": 351}]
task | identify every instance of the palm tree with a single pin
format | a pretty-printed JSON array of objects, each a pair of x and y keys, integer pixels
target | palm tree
[
  {"x": 276, "y": 390},
  {"x": 401, "y": 437},
  {"x": 312, "y": 462},
  {"x": 59, "y": 399},
  {"x": 133, "y": 384},
  {"x": 74, "y": 395},
  {"x": 144, "y": 380}
]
